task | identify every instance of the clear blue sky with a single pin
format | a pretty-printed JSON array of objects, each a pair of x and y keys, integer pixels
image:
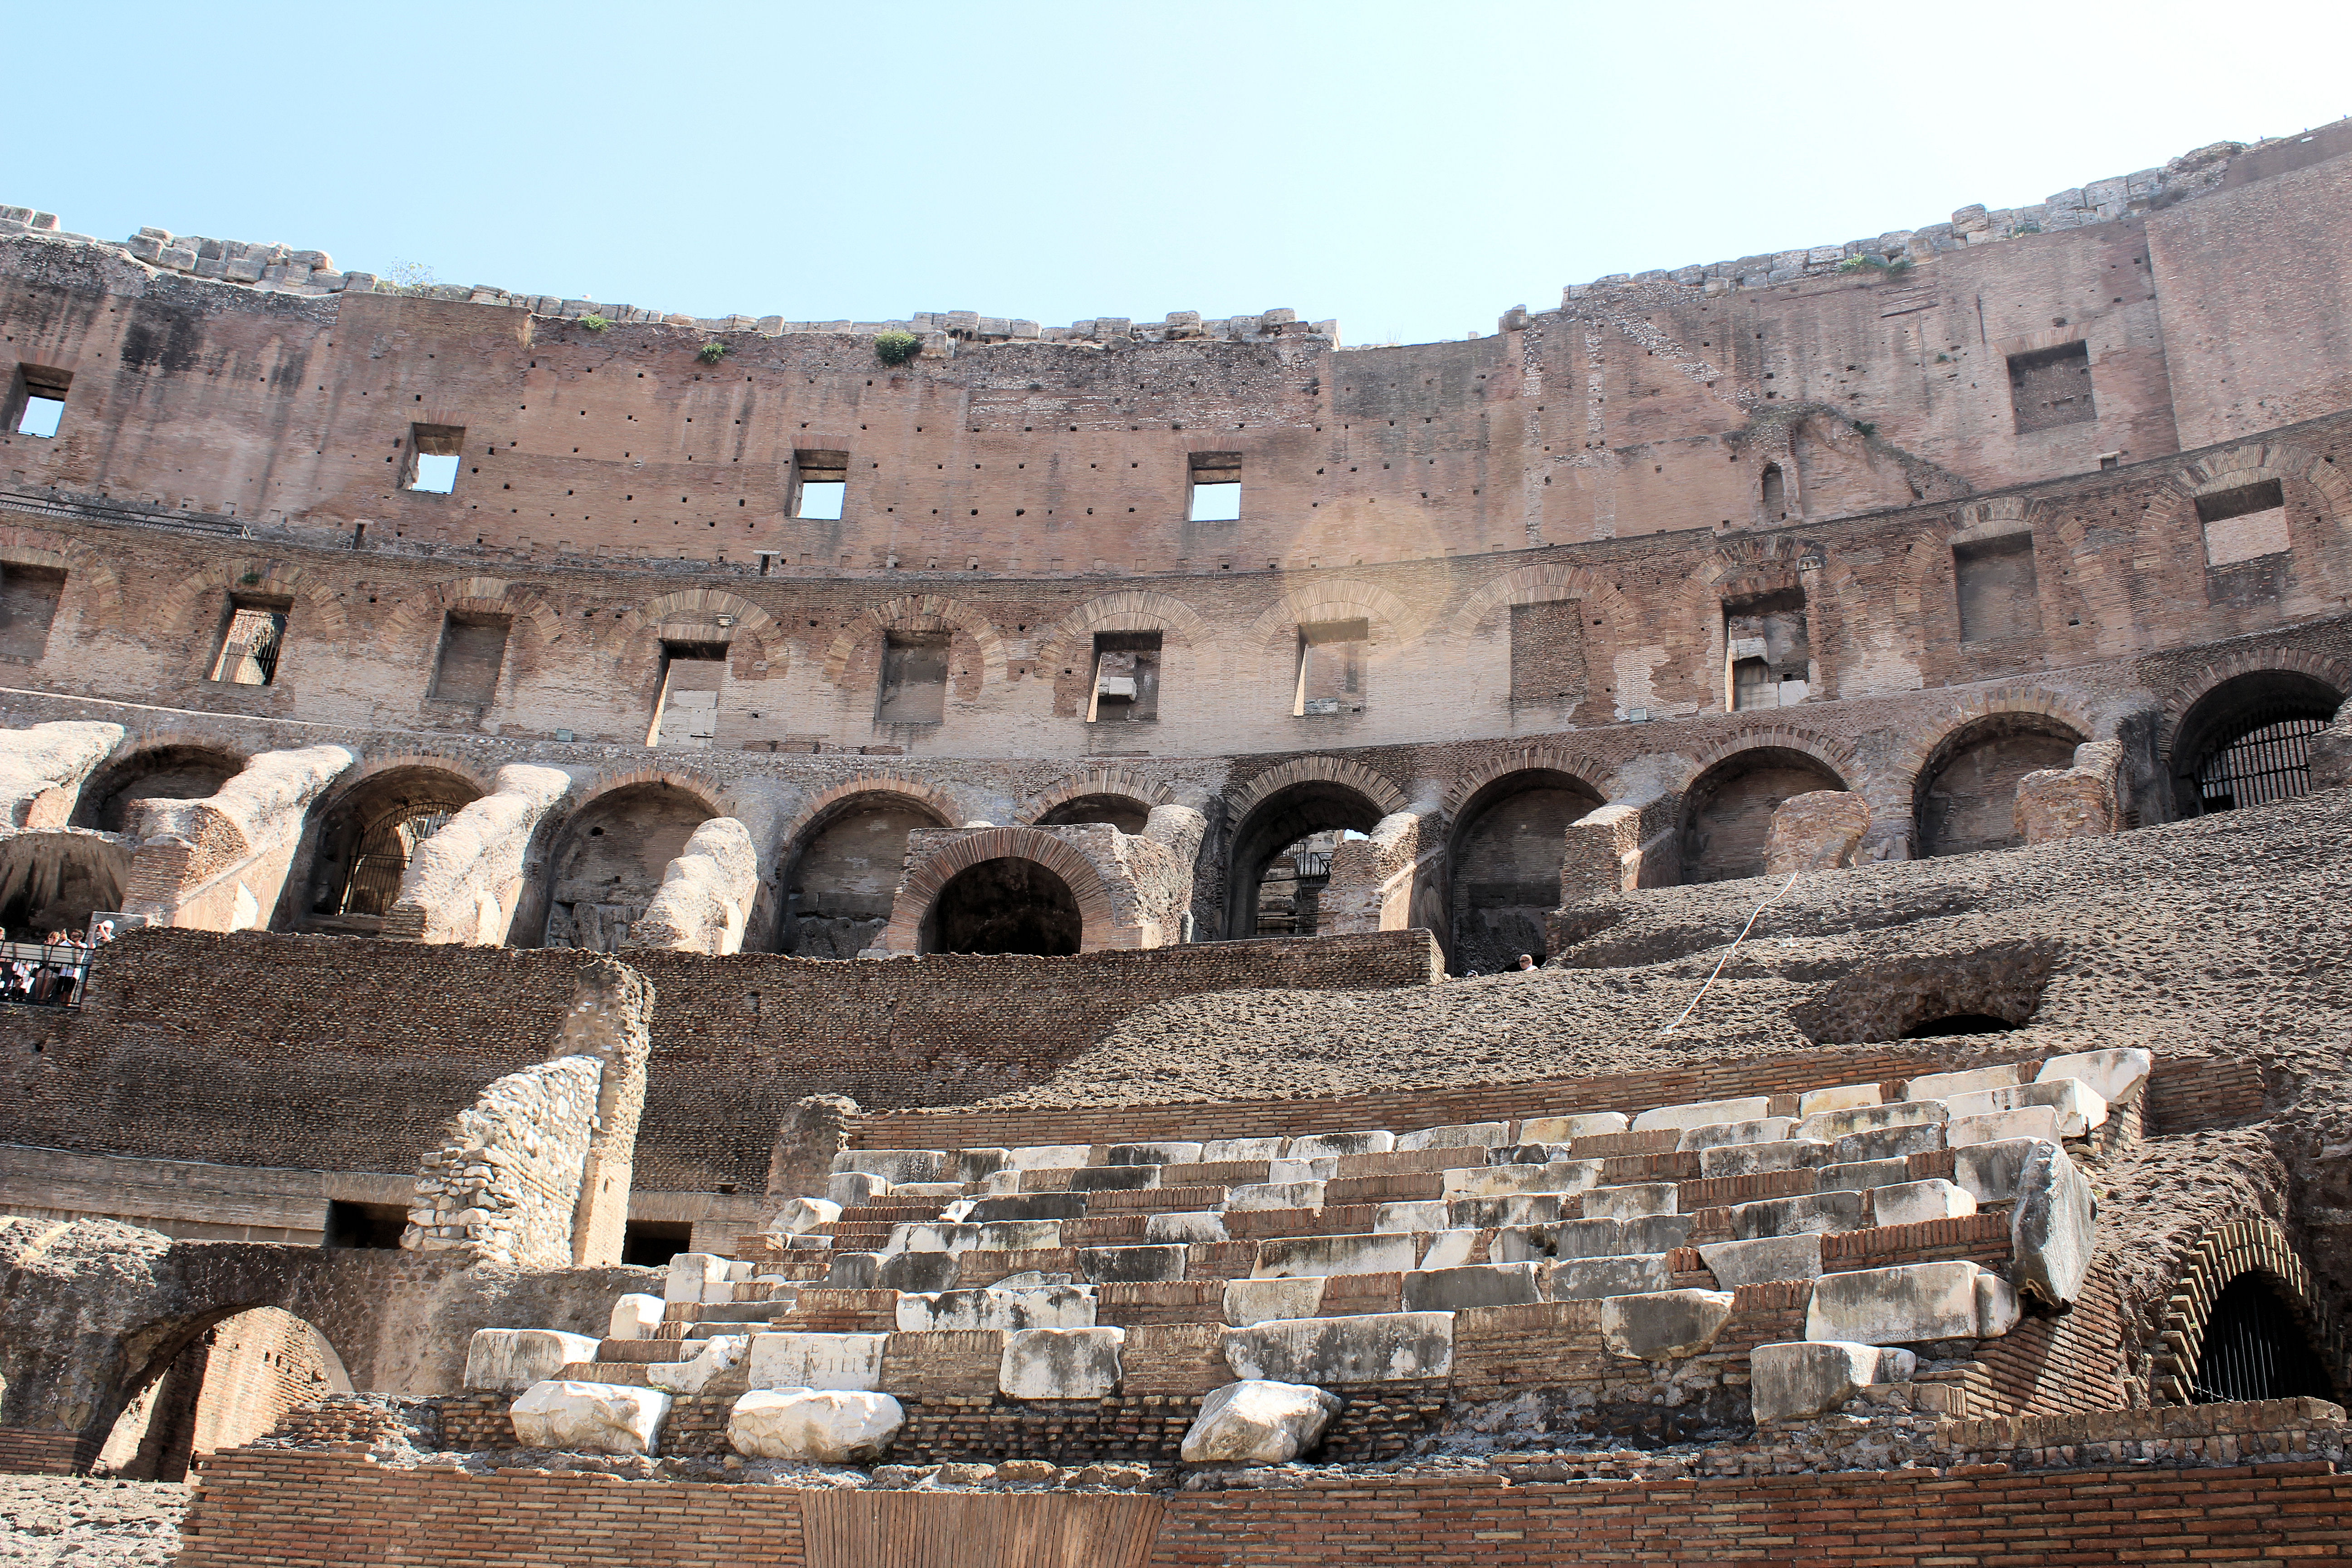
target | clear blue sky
[{"x": 1413, "y": 170}]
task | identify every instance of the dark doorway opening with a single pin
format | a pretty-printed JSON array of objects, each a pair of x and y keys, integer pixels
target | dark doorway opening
[
  {"x": 1959, "y": 1023},
  {"x": 2256, "y": 1348},
  {"x": 371, "y": 1226},
  {"x": 652, "y": 1243},
  {"x": 1005, "y": 905}
]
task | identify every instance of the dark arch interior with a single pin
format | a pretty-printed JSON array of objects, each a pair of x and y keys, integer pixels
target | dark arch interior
[
  {"x": 2256, "y": 1348},
  {"x": 1005, "y": 905},
  {"x": 2248, "y": 741},
  {"x": 1967, "y": 792},
  {"x": 1122, "y": 812},
  {"x": 56, "y": 881},
  {"x": 1508, "y": 843},
  {"x": 1959, "y": 1023},
  {"x": 366, "y": 840},
  {"x": 1728, "y": 813},
  {"x": 1299, "y": 811},
  {"x": 844, "y": 875},
  {"x": 610, "y": 859},
  {"x": 223, "y": 1381},
  {"x": 164, "y": 772}
]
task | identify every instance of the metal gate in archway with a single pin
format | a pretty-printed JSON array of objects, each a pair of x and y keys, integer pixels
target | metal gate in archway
[{"x": 2269, "y": 760}]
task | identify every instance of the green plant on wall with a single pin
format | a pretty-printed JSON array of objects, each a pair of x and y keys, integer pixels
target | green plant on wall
[
  {"x": 594, "y": 323},
  {"x": 711, "y": 353},
  {"x": 1882, "y": 266},
  {"x": 897, "y": 348}
]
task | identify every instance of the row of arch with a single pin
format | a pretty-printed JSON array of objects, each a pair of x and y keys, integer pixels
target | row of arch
[{"x": 2234, "y": 742}]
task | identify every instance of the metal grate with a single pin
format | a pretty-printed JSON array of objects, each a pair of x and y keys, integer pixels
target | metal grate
[
  {"x": 374, "y": 884},
  {"x": 2269, "y": 760},
  {"x": 2254, "y": 1349}
]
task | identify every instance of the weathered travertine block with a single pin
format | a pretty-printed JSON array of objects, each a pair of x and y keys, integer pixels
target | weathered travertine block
[
  {"x": 1449, "y": 1250},
  {"x": 1049, "y": 1156},
  {"x": 1152, "y": 1154},
  {"x": 1857, "y": 1175},
  {"x": 1813, "y": 1213},
  {"x": 1915, "y": 1203},
  {"x": 634, "y": 1317},
  {"x": 1486, "y": 1213},
  {"x": 1019, "y": 1205},
  {"x": 1251, "y": 1302},
  {"x": 1816, "y": 831},
  {"x": 589, "y": 1417},
  {"x": 2070, "y": 803},
  {"x": 42, "y": 768},
  {"x": 1562, "y": 1129},
  {"x": 1703, "y": 1113},
  {"x": 821, "y": 1426},
  {"x": 1275, "y": 1195},
  {"x": 1990, "y": 1172},
  {"x": 219, "y": 863},
  {"x": 2077, "y": 1106},
  {"x": 462, "y": 884},
  {"x": 1377, "y": 1347},
  {"x": 1889, "y": 1142},
  {"x": 1664, "y": 1325},
  {"x": 720, "y": 1353},
  {"x": 1037, "y": 1306},
  {"x": 817, "y": 1360},
  {"x": 2037, "y": 1121},
  {"x": 706, "y": 895},
  {"x": 1502, "y": 1181},
  {"x": 1766, "y": 1258},
  {"x": 509, "y": 1361},
  {"x": 1911, "y": 1304},
  {"x": 1764, "y": 1130},
  {"x": 689, "y": 1272},
  {"x": 1258, "y": 1422},
  {"x": 2051, "y": 1229},
  {"x": 1844, "y": 1097},
  {"x": 1187, "y": 1228},
  {"x": 800, "y": 1216},
  {"x": 850, "y": 1188},
  {"x": 2113, "y": 1075},
  {"x": 1287, "y": 1172},
  {"x": 1634, "y": 1201},
  {"x": 1279, "y": 1255},
  {"x": 1061, "y": 1363},
  {"x": 1335, "y": 1145},
  {"x": 1832, "y": 1125},
  {"x": 1944, "y": 1085},
  {"x": 1472, "y": 1285},
  {"x": 1590, "y": 1278},
  {"x": 1748, "y": 1159},
  {"x": 1462, "y": 1135},
  {"x": 1227, "y": 1151},
  {"x": 1131, "y": 1264},
  {"x": 1404, "y": 1218},
  {"x": 1802, "y": 1378},
  {"x": 894, "y": 1165}
]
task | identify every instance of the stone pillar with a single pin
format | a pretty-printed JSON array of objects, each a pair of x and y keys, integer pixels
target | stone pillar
[
  {"x": 1393, "y": 879},
  {"x": 2331, "y": 753},
  {"x": 43, "y": 768},
  {"x": 464, "y": 883},
  {"x": 812, "y": 1132},
  {"x": 706, "y": 895},
  {"x": 1817, "y": 831},
  {"x": 219, "y": 863},
  {"x": 2079, "y": 802},
  {"x": 611, "y": 1005}
]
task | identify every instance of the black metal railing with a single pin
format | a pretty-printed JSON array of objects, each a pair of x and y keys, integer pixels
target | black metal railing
[
  {"x": 2269, "y": 760},
  {"x": 45, "y": 973}
]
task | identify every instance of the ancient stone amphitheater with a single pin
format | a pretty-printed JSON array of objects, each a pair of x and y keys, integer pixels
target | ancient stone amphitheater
[{"x": 1710, "y": 929}]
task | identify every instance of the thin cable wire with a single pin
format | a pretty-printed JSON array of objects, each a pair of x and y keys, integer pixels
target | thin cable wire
[{"x": 1728, "y": 952}]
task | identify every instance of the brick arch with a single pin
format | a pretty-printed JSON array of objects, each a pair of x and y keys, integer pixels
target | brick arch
[
  {"x": 1130, "y": 610},
  {"x": 2329, "y": 672},
  {"x": 21, "y": 546},
  {"x": 922, "y": 885},
  {"x": 918, "y": 612},
  {"x": 417, "y": 614},
  {"x": 1595, "y": 775},
  {"x": 2258, "y": 460},
  {"x": 1547, "y": 583},
  {"x": 1887, "y": 801},
  {"x": 371, "y": 767},
  {"x": 1377, "y": 788},
  {"x": 691, "y": 615},
  {"x": 606, "y": 786},
  {"x": 2223, "y": 1253},
  {"x": 2022, "y": 702},
  {"x": 824, "y": 807},
  {"x": 186, "y": 607},
  {"x": 1335, "y": 599},
  {"x": 1145, "y": 792}
]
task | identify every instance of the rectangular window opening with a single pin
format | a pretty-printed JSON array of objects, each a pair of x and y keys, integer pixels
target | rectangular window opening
[
  {"x": 652, "y": 1243},
  {"x": 433, "y": 454},
  {"x": 28, "y": 603},
  {"x": 1767, "y": 649},
  {"x": 821, "y": 485},
  {"x": 375, "y": 1227},
  {"x": 1217, "y": 488},
  {"x": 250, "y": 646},
  {"x": 473, "y": 646},
  {"x": 1127, "y": 679},
  {"x": 1998, "y": 595},
  {"x": 1331, "y": 659},
  {"x": 1548, "y": 654},
  {"x": 39, "y": 402},
  {"x": 686, "y": 714},
  {"x": 914, "y": 678},
  {"x": 2244, "y": 523},
  {"x": 2052, "y": 387}
]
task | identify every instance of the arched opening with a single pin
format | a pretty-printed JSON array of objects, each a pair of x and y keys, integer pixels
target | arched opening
[
  {"x": 366, "y": 840},
  {"x": 1957, "y": 1023},
  {"x": 611, "y": 857},
  {"x": 1280, "y": 827},
  {"x": 2256, "y": 1348},
  {"x": 1508, "y": 842},
  {"x": 229, "y": 1382},
  {"x": 1728, "y": 811},
  {"x": 1005, "y": 905},
  {"x": 840, "y": 882},
  {"x": 1966, "y": 798},
  {"x": 159, "y": 773},
  {"x": 1123, "y": 812},
  {"x": 1776, "y": 492},
  {"x": 54, "y": 881},
  {"x": 2248, "y": 741}
]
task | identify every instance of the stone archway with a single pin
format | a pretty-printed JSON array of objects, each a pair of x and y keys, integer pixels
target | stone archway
[
  {"x": 365, "y": 837},
  {"x": 1005, "y": 905},
  {"x": 1726, "y": 815},
  {"x": 1509, "y": 839},
  {"x": 171, "y": 771}
]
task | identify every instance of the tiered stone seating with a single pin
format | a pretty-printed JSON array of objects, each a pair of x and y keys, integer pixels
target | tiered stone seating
[{"x": 1337, "y": 1261}]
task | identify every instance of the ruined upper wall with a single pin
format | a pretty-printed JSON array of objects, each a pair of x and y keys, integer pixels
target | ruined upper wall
[{"x": 1655, "y": 404}]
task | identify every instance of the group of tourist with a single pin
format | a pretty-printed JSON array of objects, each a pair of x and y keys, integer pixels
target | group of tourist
[{"x": 50, "y": 972}]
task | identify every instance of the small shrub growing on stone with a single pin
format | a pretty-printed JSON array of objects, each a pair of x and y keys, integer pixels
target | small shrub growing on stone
[
  {"x": 897, "y": 348},
  {"x": 711, "y": 353},
  {"x": 594, "y": 323}
]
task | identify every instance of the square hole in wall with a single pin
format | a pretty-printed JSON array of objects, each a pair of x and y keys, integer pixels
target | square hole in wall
[
  {"x": 1217, "y": 488},
  {"x": 28, "y": 603},
  {"x": 1331, "y": 659},
  {"x": 1126, "y": 677},
  {"x": 251, "y": 642},
  {"x": 914, "y": 678},
  {"x": 1998, "y": 592},
  {"x": 820, "y": 485},
  {"x": 652, "y": 1243},
  {"x": 2051, "y": 388},
  {"x": 2244, "y": 523},
  {"x": 473, "y": 646},
  {"x": 375, "y": 1227},
  {"x": 686, "y": 715},
  {"x": 39, "y": 401},
  {"x": 433, "y": 454}
]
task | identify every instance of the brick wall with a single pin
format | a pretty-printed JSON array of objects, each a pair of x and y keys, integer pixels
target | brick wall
[{"x": 350, "y": 1054}]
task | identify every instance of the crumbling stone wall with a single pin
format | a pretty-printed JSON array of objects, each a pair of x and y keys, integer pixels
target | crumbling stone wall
[
  {"x": 467, "y": 881},
  {"x": 220, "y": 863},
  {"x": 507, "y": 1179}
]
